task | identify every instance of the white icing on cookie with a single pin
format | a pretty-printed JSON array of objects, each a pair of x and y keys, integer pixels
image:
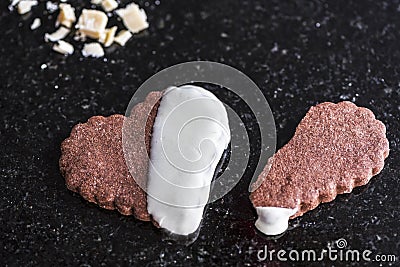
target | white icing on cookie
[{"x": 190, "y": 134}]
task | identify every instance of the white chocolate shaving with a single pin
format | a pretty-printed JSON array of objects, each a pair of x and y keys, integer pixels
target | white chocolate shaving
[
  {"x": 96, "y": 2},
  {"x": 92, "y": 23},
  {"x": 64, "y": 48},
  {"x": 25, "y": 6},
  {"x": 13, "y": 4},
  {"x": 36, "y": 24},
  {"x": 123, "y": 37},
  {"x": 67, "y": 15},
  {"x": 57, "y": 35},
  {"x": 92, "y": 50},
  {"x": 109, "y": 5},
  {"x": 133, "y": 17},
  {"x": 107, "y": 38}
]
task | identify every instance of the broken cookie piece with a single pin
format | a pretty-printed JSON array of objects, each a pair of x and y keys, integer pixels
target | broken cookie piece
[
  {"x": 336, "y": 147},
  {"x": 93, "y": 165}
]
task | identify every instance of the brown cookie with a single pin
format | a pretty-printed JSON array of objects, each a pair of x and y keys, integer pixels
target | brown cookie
[
  {"x": 336, "y": 147},
  {"x": 93, "y": 165}
]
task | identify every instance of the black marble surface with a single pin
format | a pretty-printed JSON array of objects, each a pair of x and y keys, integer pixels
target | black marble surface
[{"x": 299, "y": 53}]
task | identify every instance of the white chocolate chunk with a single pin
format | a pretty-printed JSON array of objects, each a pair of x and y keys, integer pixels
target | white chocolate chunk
[
  {"x": 96, "y": 2},
  {"x": 107, "y": 38},
  {"x": 64, "y": 48},
  {"x": 190, "y": 133},
  {"x": 66, "y": 16},
  {"x": 92, "y": 23},
  {"x": 123, "y": 37},
  {"x": 92, "y": 50},
  {"x": 25, "y": 6},
  {"x": 273, "y": 220},
  {"x": 57, "y": 35},
  {"x": 109, "y": 5},
  {"x": 133, "y": 17},
  {"x": 36, "y": 24},
  {"x": 13, "y": 4}
]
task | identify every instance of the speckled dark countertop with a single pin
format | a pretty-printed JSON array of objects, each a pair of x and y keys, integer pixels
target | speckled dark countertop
[{"x": 300, "y": 53}]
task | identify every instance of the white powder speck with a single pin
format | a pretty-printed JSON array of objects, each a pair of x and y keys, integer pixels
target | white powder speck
[
  {"x": 51, "y": 7},
  {"x": 388, "y": 90},
  {"x": 275, "y": 48}
]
